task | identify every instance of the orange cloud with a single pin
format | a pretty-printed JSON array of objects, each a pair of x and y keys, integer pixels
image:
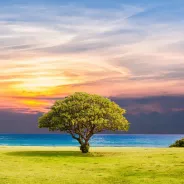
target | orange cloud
[{"x": 104, "y": 52}]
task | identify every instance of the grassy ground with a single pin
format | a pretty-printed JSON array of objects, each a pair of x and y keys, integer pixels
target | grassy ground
[{"x": 36, "y": 165}]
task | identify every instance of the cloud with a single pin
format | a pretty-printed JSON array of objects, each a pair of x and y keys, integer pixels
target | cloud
[
  {"x": 25, "y": 105},
  {"x": 161, "y": 114},
  {"x": 159, "y": 104},
  {"x": 121, "y": 50}
]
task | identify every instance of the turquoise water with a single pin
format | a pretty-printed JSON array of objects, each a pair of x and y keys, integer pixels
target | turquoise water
[{"x": 117, "y": 140}]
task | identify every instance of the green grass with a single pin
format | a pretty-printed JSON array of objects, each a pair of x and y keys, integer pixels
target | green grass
[{"x": 36, "y": 165}]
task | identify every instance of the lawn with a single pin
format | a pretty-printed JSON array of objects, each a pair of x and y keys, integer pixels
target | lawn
[{"x": 54, "y": 165}]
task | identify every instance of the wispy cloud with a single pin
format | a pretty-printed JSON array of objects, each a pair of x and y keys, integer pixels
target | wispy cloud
[{"x": 129, "y": 50}]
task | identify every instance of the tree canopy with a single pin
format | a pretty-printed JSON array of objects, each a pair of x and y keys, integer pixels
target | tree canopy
[
  {"x": 178, "y": 143},
  {"x": 82, "y": 115}
]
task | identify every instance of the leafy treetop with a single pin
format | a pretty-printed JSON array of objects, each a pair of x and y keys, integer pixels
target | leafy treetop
[{"x": 83, "y": 115}]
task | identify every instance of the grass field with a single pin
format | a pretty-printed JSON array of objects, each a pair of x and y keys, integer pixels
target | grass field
[{"x": 54, "y": 165}]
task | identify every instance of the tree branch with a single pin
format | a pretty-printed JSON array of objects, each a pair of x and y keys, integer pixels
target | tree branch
[
  {"x": 74, "y": 137},
  {"x": 90, "y": 133}
]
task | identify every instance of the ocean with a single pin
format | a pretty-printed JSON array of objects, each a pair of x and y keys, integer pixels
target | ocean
[{"x": 99, "y": 140}]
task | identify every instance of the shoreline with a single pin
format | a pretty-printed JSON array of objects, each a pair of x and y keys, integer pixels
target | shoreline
[{"x": 76, "y": 148}]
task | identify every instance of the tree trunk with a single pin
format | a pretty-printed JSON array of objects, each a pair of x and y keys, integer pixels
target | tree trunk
[{"x": 84, "y": 147}]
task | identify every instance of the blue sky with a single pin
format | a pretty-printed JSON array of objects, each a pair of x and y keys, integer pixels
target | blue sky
[
  {"x": 53, "y": 48},
  {"x": 131, "y": 51}
]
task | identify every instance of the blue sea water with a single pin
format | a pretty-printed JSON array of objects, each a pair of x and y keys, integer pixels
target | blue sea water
[{"x": 116, "y": 140}]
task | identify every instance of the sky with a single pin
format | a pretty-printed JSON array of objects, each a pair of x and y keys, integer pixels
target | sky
[{"x": 125, "y": 49}]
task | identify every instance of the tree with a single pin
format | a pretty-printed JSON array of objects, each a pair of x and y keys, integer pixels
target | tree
[
  {"x": 82, "y": 115},
  {"x": 178, "y": 143}
]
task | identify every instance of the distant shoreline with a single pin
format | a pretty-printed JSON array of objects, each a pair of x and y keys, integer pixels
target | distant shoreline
[{"x": 76, "y": 148}]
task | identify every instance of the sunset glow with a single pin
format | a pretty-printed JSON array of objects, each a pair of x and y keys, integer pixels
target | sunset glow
[{"x": 125, "y": 50}]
